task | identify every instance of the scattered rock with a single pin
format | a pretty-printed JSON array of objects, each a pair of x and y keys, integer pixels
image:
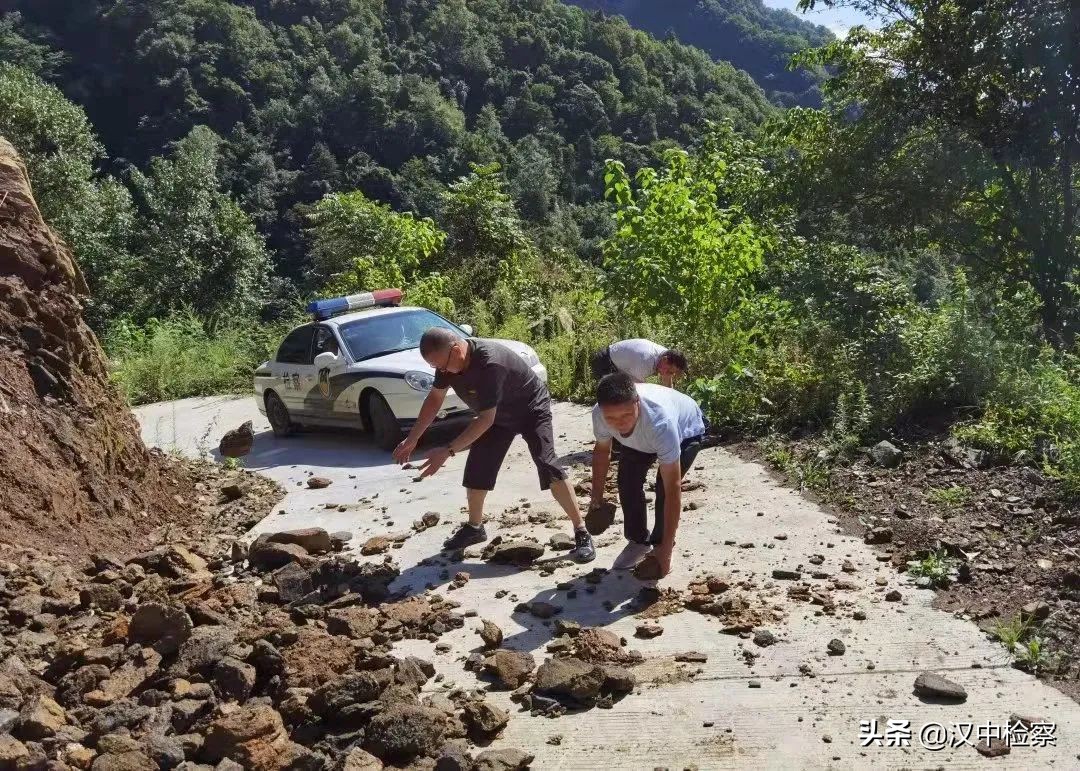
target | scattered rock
[
  {"x": 268, "y": 555},
  {"x": 782, "y": 574},
  {"x": 361, "y": 760},
  {"x": 599, "y": 519},
  {"x": 993, "y": 747},
  {"x": 41, "y": 717},
  {"x": 933, "y": 686},
  {"x": 764, "y": 638},
  {"x": 886, "y": 454},
  {"x": 405, "y": 731},
  {"x": 166, "y": 627},
  {"x": 503, "y": 760},
  {"x": 248, "y": 733},
  {"x": 878, "y": 535},
  {"x": 514, "y": 552},
  {"x": 491, "y": 634},
  {"x": 542, "y": 609},
  {"x": 562, "y": 542},
  {"x": 836, "y": 647},
  {"x": 692, "y": 657},
  {"x": 12, "y": 752},
  {"x": 485, "y": 720},
  {"x": 566, "y": 627},
  {"x": 859, "y": 615},
  {"x": 237, "y": 443},
  {"x": 570, "y": 678},
  {"x": 318, "y": 483},
  {"x": 1035, "y": 611},
  {"x": 894, "y": 596},
  {"x": 510, "y": 667},
  {"x": 314, "y": 540},
  {"x": 648, "y": 569},
  {"x": 377, "y": 544},
  {"x": 102, "y": 596},
  {"x": 293, "y": 582},
  {"x": 647, "y": 631},
  {"x": 234, "y": 678}
]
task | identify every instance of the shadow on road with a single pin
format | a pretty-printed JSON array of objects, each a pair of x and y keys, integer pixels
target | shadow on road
[{"x": 326, "y": 447}]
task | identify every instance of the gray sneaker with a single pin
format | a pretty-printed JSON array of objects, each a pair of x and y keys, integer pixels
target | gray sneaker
[{"x": 584, "y": 551}]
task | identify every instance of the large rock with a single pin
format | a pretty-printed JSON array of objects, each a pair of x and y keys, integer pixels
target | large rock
[
  {"x": 166, "y": 627},
  {"x": 41, "y": 717},
  {"x": 405, "y": 731},
  {"x": 601, "y": 518},
  {"x": 125, "y": 761},
  {"x": 11, "y": 752},
  {"x": 267, "y": 555},
  {"x": 293, "y": 582},
  {"x": 513, "y": 552},
  {"x": 886, "y": 454},
  {"x": 618, "y": 679},
  {"x": 935, "y": 687},
  {"x": 503, "y": 760},
  {"x": 340, "y": 693},
  {"x": 102, "y": 596},
  {"x": 126, "y": 679},
  {"x": 510, "y": 667},
  {"x": 485, "y": 719},
  {"x": 491, "y": 634},
  {"x": 234, "y": 679},
  {"x": 237, "y": 443},
  {"x": 356, "y": 622},
  {"x": 23, "y": 608},
  {"x": 246, "y": 735},
  {"x": 173, "y": 561},
  {"x": 314, "y": 540},
  {"x": 377, "y": 544},
  {"x": 203, "y": 650},
  {"x": 361, "y": 760},
  {"x": 569, "y": 678}
]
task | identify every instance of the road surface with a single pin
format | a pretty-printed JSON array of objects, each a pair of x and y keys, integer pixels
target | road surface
[{"x": 789, "y": 705}]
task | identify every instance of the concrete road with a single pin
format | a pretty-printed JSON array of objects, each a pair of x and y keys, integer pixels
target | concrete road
[{"x": 789, "y": 705}]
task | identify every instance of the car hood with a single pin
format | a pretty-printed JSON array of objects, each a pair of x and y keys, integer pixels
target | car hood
[{"x": 411, "y": 360}]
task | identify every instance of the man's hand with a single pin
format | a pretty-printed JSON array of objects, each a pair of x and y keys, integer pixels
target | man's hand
[
  {"x": 596, "y": 502},
  {"x": 404, "y": 450},
  {"x": 434, "y": 461},
  {"x": 662, "y": 554}
]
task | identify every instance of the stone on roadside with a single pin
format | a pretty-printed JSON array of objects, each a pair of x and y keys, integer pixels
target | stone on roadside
[
  {"x": 647, "y": 631},
  {"x": 405, "y": 731},
  {"x": 764, "y": 638},
  {"x": 993, "y": 747},
  {"x": 361, "y": 760},
  {"x": 617, "y": 679},
  {"x": 255, "y": 731},
  {"x": 314, "y": 540},
  {"x": 510, "y": 667},
  {"x": 318, "y": 483},
  {"x": 268, "y": 555},
  {"x": 234, "y": 678},
  {"x": 836, "y": 647},
  {"x": 934, "y": 686},
  {"x": 484, "y": 720},
  {"x": 878, "y": 535},
  {"x": 517, "y": 552},
  {"x": 377, "y": 544},
  {"x": 570, "y": 678},
  {"x": 648, "y": 569},
  {"x": 503, "y": 760},
  {"x": 165, "y": 627},
  {"x": 601, "y": 518},
  {"x": 783, "y": 574},
  {"x": 886, "y": 454},
  {"x": 491, "y": 634},
  {"x": 102, "y": 596},
  {"x": 339, "y": 538},
  {"x": 293, "y": 582},
  {"x": 562, "y": 542},
  {"x": 237, "y": 442}
]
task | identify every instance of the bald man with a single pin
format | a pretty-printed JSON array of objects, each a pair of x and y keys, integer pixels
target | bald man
[{"x": 509, "y": 401}]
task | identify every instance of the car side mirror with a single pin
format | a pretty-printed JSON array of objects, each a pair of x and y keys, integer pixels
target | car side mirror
[
  {"x": 467, "y": 328},
  {"x": 326, "y": 360}
]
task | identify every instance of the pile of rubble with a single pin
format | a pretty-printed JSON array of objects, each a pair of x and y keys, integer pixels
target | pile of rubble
[{"x": 213, "y": 655}]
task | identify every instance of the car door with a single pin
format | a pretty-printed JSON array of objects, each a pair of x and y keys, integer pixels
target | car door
[
  {"x": 292, "y": 370},
  {"x": 325, "y": 399}
]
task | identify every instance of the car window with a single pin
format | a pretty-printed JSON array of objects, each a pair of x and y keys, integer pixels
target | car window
[
  {"x": 325, "y": 342},
  {"x": 296, "y": 347},
  {"x": 389, "y": 333}
]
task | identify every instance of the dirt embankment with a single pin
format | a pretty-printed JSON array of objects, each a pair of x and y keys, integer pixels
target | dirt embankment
[{"x": 75, "y": 475}]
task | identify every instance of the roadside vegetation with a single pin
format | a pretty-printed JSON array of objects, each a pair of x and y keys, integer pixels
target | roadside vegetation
[{"x": 840, "y": 271}]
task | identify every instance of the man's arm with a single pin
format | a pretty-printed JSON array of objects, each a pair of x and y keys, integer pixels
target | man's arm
[
  {"x": 671, "y": 476},
  {"x": 601, "y": 461},
  {"x": 433, "y": 402},
  {"x": 437, "y": 457}
]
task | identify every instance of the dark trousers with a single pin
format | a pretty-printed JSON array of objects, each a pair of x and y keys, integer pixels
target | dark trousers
[
  {"x": 633, "y": 468},
  {"x": 601, "y": 364},
  {"x": 488, "y": 452}
]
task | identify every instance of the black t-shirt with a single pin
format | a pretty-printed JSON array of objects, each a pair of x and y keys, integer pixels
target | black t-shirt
[{"x": 498, "y": 377}]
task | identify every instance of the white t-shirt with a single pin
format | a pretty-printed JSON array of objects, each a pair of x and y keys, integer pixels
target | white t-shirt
[
  {"x": 668, "y": 417},
  {"x": 637, "y": 357}
]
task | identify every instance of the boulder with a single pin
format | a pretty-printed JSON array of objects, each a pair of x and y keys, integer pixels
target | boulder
[
  {"x": 569, "y": 678},
  {"x": 405, "y": 731},
  {"x": 41, "y": 717},
  {"x": 126, "y": 761},
  {"x": 319, "y": 483},
  {"x": 292, "y": 582},
  {"x": 361, "y": 760},
  {"x": 617, "y": 679},
  {"x": 12, "y": 751},
  {"x": 510, "y": 667},
  {"x": 484, "y": 720},
  {"x": 166, "y": 751},
  {"x": 314, "y": 540},
  {"x": 491, "y": 634},
  {"x": 237, "y": 443},
  {"x": 503, "y": 760},
  {"x": 102, "y": 596},
  {"x": 377, "y": 544},
  {"x": 166, "y": 627},
  {"x": 518, "y": 552},
  {"x": 339, "y": 693},
  {"x": 356, "y": 622},
  {"x": 202, "y": 651},
  {"x": 267, "y": 555},
  {"x": 886, "y": 454},
  {"x": 244, "y": 735},
  {"x": 562, "y": 542},
  {"x": 929, "y": 685},
  {"x": 234, "y": 679}
]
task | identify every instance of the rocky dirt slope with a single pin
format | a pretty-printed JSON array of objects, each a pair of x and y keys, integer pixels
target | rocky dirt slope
[{"x": 75, "y": 474}]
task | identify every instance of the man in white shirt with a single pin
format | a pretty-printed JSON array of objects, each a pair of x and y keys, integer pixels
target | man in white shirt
[
  {"x": 651, "y": 423},
  {"x": 640, "y": 359}
]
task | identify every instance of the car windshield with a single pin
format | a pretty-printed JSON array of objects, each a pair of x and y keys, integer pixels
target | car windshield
[{"x": 391, "y": 332}]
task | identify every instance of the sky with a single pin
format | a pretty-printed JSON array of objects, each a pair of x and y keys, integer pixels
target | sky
[{"x": 838, "y": 20}]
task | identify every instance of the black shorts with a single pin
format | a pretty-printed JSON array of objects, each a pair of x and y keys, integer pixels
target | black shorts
[
  {"x": 488, "y": 452},
  {"x": 602, "y": 364}
]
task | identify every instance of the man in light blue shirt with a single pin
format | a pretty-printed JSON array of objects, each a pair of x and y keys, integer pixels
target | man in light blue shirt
[{"x": 652, "y": 423}]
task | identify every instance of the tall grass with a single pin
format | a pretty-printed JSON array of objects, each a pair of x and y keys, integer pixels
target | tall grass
[{"x": 178, "y": 357}]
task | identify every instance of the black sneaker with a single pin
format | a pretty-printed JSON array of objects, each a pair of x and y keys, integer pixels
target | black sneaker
[
  {"x": 466, "y": 535},
  {"x": 584, "y": 551}
]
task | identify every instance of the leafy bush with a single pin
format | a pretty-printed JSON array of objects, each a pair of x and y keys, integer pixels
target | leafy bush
[{"x": 176, "y": 357}]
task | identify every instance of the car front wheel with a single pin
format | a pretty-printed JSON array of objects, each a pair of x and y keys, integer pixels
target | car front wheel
[
  {"x": 384, "y": 425},
  {"x": 278, "y": 415}
]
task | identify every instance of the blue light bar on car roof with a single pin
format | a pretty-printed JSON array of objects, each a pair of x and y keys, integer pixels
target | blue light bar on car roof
[{"x": 324, "y": 309}]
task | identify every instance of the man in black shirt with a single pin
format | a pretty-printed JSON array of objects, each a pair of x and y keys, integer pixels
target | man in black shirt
[{"x": 509, "y": 400}]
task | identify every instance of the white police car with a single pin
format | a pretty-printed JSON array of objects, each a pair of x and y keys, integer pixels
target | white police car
[{"x": 358, "y": 364}]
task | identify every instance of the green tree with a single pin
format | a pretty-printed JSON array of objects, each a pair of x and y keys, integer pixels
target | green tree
[
  {"x": 359, "y": 244},
  {"x": 198, "y": 250},
  {"x": 982, "y": 100}
]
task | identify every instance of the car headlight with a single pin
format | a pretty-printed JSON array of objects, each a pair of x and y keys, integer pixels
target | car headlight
[{"x": 420, "y": 381}]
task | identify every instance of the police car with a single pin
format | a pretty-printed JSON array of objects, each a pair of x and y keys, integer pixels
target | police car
[{"x": 357, "y": 364}]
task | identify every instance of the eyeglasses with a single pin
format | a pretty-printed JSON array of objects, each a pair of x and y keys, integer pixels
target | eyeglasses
[{"x": 449, "y": 353}]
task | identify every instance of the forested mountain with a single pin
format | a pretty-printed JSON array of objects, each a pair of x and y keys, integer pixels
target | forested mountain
[
  {"x": 393, "y": 98},
  {"x": 747, "y": 33}
]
